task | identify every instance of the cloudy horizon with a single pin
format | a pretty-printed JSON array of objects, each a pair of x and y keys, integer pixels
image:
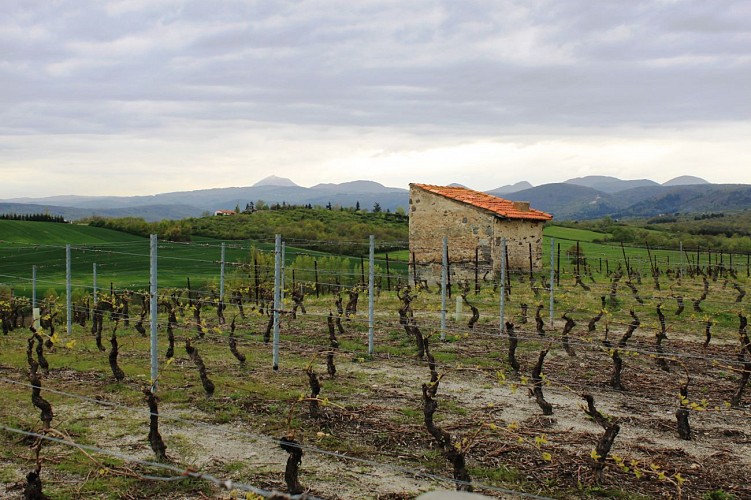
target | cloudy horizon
[{"x": 146, "y": 97}]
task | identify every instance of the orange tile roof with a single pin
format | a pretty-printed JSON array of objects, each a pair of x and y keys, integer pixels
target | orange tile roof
[{"x": 499, "y": 206}]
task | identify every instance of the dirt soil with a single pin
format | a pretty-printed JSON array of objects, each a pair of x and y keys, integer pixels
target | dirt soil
[{"x": 371, "y": 441}]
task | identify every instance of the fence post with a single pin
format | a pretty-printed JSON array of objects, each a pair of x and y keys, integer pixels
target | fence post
[
  {"x": 444, "y": 281},
  {"x": 371, "y": 296},
  {"x": 388, "y": 274},
  {"x": 318, "y": 286},
  {"x": 34, "y": 308},
  {"x": 283, "y": 281},
  {"x": 277, "y": 297},
  {"x": 93, "y": 286},
  {"x": 552, "y": 280},
  {"x": 154, "y": 311},
  {"x": 477, "y": 270},
  {"x": 68, "y": 298},
  {"x": 414, "y": 269},
  {"x": 680, "y": 251},
  {"x": 221, "y": 277},
  {"x": 503, "y": 285}
]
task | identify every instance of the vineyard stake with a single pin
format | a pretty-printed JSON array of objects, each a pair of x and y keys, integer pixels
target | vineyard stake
[
  {"x": 34, "y": 308},
  {"x": 68, "y": 298},
  {"x": 388, "y": 274},
  {"x": 154, "y": 311},
  {"x": 318, "y": 286},
  {"x": 283, "y": 281},
  {"x": 503, "y": 283},
  {"x": 93, "y": 286},
  {"x": 477, "y": 270},
  {"x": 444, "y": 281},
  {"x": 552, "y": 276},
  {"x": 221, "y": 277},
  {"x": 277, "y": 296},
  {"x": 371, "y": 296}
]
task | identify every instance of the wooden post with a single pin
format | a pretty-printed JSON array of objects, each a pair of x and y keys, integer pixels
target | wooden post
[
  {"x": 414, "y": 269},
  {"x": 257, "y": 279},
  {"x": 477, "y": 270},
  {"x": 448, "y": 270},
  {"x": 388, "y": 274},
  {"x": 530, "y": 261},
  {"x": 698, "y": 259},
  {"x": 318, "y": 285}
]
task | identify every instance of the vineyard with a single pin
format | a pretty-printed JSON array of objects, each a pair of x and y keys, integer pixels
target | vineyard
[{"x": 625, "y": 375}]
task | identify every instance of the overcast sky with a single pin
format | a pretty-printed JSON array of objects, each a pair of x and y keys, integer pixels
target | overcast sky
[{"x": 150, "y": 96}]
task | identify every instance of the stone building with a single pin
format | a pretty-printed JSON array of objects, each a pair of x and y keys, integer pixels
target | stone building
[{"x": 475, "y": 224}]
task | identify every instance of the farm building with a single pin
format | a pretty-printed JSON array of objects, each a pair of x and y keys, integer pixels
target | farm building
[{"x": 475, "y": 224}]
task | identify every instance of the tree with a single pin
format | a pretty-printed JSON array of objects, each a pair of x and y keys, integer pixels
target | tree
[
  {"x": 376, "y": 208},
  {"x": 357, "y": 206}
]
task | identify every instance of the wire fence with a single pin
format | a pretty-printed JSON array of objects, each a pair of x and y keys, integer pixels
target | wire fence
[{"x": 698, "y": 300}]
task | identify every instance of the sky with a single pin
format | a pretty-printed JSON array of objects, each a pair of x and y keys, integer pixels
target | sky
[{"x": 136, "y": 97}]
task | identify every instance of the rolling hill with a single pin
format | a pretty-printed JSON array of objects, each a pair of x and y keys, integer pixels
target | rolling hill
[{"x": 578, "y": 198}]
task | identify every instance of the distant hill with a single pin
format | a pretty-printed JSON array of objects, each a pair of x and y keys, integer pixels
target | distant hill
[
  {"x": 512, "y": 188},
  {"x": 566, "y": 201},
  {"x": 685, "y": 180},
  {"x": 578, "y": 198},
  {"x": 181, "y": 204},
  {"x": 610, "y": 184},
  {"x": 273, "y": 180}
]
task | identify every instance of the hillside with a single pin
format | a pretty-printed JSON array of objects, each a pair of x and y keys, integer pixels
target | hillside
[
  {"x": 339, "y": 231},
  {"x": 51, "y": 233}
]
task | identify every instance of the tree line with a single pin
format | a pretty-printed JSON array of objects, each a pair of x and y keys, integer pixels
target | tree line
[{"x": 41, "y": 217}]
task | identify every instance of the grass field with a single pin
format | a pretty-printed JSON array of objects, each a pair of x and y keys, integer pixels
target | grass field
[{"x": 122, "y": 260}]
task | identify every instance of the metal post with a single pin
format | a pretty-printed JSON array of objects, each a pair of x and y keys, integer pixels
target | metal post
[
  {"x": 68, "y": 298},
  {"x": 221, "y": 277},
  {"x": 444, "y": 281},
  {"x": 34, "y": 308},
  {"x": 371, "y": 296},
  {"x": 277, "y": 296},
  {"x": 552, "y": 278},
  {"x": 503, "y": 284},
  {"x": 283, "y": 281},
  {"x": 94, "y": 290},
  {"x": 154, "y": 311},
  {"x": 33, "y": 287}
]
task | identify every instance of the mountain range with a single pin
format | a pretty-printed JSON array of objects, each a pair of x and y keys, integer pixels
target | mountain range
[{"x": 578, "y": 198}]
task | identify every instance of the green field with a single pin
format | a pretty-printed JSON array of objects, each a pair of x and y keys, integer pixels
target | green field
[{"x": 122, "y": 260}]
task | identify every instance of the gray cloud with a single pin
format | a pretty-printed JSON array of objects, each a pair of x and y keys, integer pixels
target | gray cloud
[{"x": 474, "y": 70}]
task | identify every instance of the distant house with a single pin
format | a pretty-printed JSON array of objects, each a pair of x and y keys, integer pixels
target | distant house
[
  {"x": 475, "y": 224},
  {"x": 224, "y": 212}
]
